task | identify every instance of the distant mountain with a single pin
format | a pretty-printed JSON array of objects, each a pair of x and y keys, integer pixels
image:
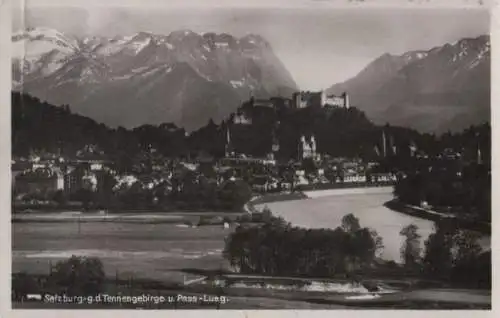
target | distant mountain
[
  {"x": 445, "y": 88},
  {"x": 184, "y": 77}
]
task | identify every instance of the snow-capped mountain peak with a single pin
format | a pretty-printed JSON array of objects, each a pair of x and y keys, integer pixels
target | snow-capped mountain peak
[
  {"x": 41, "y": 51},
  {"x": 184, "y": 77},
  {"x": 445, "y": 87},
  {"x": 48, "y": 35}
]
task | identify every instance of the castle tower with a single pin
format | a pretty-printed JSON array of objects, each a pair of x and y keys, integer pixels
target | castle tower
[
  {"x": 384, "y": 144},
  {"x": 346, "y": 100},
  {"x": 308, "y": 147},
  {"x": 303, "y": 147},
  {"x": 228, "y": 142}
]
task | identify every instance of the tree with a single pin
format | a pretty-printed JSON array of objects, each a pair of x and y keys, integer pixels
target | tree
[
  {"x": 266, "y": 214},
  {"x": 106, "y": 193},
  {"x": 364, "y": 246},
  {"x": 85, "y": 196},
  {"x": 438, "y": 259},
  {"x": 466, "y": 245},
  {"x": 350, "y": 223},
  {"x": 23, "y": 284},
  {"x": 235, "y": 193},
  {"x": 60, "y": 197},
  {"x": 79, "y": 276},
  {"x": 137, "y": 196},
  {"x": 410, "y": 251},
  {"x": 379, "y": 244},
  {"x": 277, "y": 248},
  {"x": 466, "y": 257},
  {"x": 309, "y": 166}
]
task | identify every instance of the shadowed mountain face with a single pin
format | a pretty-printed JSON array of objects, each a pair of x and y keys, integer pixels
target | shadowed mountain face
[
  {"x": 184, "y": 77},
  {"x": 445, "y": 88}
]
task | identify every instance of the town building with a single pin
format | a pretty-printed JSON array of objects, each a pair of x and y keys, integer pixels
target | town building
[
  {"x": 336, "y": 101},
  {"x": 262, "y": 103},
  {"x": 17, "y": 168},
  {"x": 242, "y": 119},
  {"x": 306, "y": 99},
  {"x": 382, "y": 178},
  {"x": 246, "y": 161},
  {"x": 264, "y": 183},
  {"x": 73, "y": 178},
  {"x": 319, "y": 99},
  {"x": 354, "y": 177},
  {"x": 41, "y": 180},
  {"x": 89, "y": 181}
]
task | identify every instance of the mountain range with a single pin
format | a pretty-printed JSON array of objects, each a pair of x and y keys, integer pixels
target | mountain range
[
  {"x": 184, "y": 78},
  {"x": 188, "y": 78},
  {"x": 445, "y": 88}
]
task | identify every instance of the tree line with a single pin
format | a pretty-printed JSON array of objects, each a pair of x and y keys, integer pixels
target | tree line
[
  {"x": 39, "y": 126},
  {"x": 465, "y": 191},
  {"x": 188, "y": 191},
  {"x": 451, "y": 254},
  {"x": 276, "y": 248}
]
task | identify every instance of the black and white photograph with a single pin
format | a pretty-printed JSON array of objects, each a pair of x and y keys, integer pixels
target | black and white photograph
[{"x": 250, "y": 155}]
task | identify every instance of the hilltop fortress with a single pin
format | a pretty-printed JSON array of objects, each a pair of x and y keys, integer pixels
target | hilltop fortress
[
  {"x": 260, "y": 124},
  {"x": 319, "y": 99}
]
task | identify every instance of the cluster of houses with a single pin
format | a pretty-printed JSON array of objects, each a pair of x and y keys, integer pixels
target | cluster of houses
[
  {"x": 49, "y": 174},
  {"x": 268, "y": 176}
]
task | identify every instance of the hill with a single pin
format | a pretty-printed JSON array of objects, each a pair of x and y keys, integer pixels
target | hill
[
  {"x": 445, "y": 88},
  {"x": 41, "y": 127}
]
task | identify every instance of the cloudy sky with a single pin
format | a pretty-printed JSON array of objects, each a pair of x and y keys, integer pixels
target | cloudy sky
[{"x": 320, "y": 45}]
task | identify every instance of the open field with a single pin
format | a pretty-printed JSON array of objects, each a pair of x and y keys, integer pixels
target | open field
[
  {"x": 156, "y": 251},
  {"x": 145, "y": 217}
]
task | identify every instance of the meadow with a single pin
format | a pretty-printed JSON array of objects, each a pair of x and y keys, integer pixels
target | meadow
[{"x": 142, "y": 250}]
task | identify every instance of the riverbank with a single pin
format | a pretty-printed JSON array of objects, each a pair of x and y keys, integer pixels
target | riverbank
[
  {"x": 312, "y": 194},
  {"x": 398, "y": 206},
  {"x": 144, "y": 217},
  {"x": 348, "y": 191},
  {"x": 261, "y": 292}
]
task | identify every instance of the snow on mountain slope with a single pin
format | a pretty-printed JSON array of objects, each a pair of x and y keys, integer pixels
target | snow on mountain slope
[
  {"x": 41, "y": 51},
  {"x": 89, "y": 72},
  {"x": 446, "y": 87}
]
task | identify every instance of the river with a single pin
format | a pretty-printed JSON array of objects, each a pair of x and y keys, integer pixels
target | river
[{"x": 325, "y": 209}]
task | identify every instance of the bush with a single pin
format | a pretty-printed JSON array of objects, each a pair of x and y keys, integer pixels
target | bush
[
  {"x": 266, "y": 214},
  {"x": 235, "y": 194},
  {"x": 210, "y": 220},
  {"x": 79, "y": 276},
  {"x": 245, "y": 218},
  {"x": 60, "y": 197},
  {"x": 23, "y": 284}
]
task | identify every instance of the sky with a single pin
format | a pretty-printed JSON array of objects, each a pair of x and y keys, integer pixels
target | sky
[{"x": 319, "y": 44}]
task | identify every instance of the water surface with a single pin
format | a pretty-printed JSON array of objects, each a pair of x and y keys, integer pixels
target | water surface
[{"x": 327, "y": 209}]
